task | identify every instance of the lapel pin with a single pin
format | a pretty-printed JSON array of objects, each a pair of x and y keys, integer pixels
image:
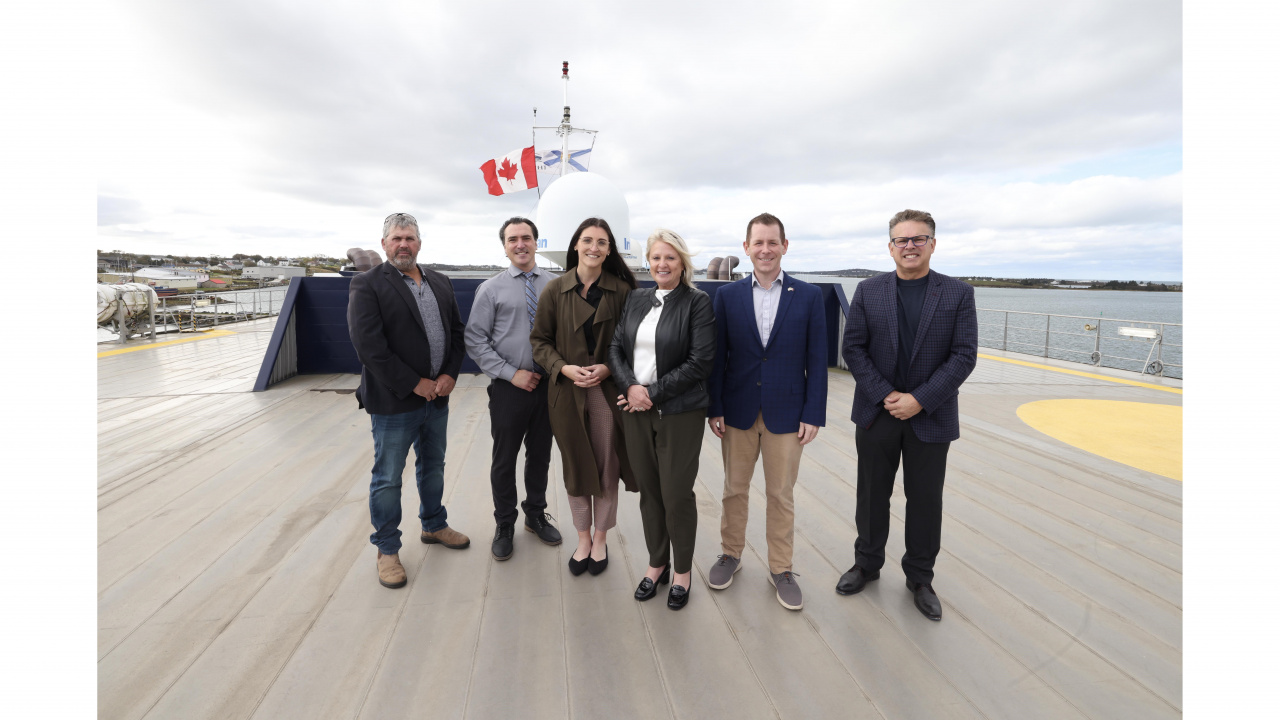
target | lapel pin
[{"x": 790, "y": 289}]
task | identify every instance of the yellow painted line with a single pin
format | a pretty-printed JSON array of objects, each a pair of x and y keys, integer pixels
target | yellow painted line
[
  {"x": 1147, "y": 436},
  {"x": 1108, "y": 378},
  {"x": 135, "y": 348}
]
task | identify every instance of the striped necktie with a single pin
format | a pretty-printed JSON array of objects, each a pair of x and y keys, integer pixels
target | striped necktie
[
  {"x": 531, "y": 302},
  {"x": 530, "y": 297}
]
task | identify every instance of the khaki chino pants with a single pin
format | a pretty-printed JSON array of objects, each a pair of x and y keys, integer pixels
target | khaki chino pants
[{"x": 740, "y": 450}]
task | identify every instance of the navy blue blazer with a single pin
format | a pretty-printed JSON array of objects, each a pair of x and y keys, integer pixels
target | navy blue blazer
[
  {"x": 945, "y": 352},
  {"x": 786, "y": 380},
  {"x": 391, "y": 340}
]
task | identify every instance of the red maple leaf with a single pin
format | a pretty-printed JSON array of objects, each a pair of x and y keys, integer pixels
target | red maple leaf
[{"x": 508, "y": 170}]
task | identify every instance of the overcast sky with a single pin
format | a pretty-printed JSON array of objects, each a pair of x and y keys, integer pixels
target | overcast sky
[{"x": 1045, "y": 137}]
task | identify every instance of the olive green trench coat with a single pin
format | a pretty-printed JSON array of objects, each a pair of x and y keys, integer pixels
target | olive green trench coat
[{"x": 558, "y": 340}]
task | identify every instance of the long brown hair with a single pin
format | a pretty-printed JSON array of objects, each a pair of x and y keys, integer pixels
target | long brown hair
[{"x": 613, "y": 262}]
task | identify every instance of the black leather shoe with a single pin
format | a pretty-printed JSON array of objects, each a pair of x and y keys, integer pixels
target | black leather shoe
[
  {"x": 577, "y": 567},
  {"x": 852, "y": 582},
  {"x": 927, "y": 601},
  {"x": 648, "y": 588},
  {"x": 503, "y": 542},
  {"x": 678, "y": 597},
  {"x": 595, "y": 567},
  {"x": 539, "y": 525}
]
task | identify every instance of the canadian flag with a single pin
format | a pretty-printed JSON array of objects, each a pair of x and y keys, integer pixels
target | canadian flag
[{"x": 514, "y": 171}]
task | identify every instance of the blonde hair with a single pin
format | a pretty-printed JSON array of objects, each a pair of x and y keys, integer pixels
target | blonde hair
[{"x": 677, "y": 243}]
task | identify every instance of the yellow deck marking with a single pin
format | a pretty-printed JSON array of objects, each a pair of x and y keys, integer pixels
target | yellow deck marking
[
  {"x": 135, "y": 348},
  {"x": 1147, "y": 436},
  {"x": 1122, "y": 381}
]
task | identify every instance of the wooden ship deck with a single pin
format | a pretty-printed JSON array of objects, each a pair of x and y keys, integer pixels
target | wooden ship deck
[{"x": 236, "y": 580}]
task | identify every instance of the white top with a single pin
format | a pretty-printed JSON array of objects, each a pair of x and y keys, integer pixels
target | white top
[
  {"x": 646, "y": 364},
  {"x": 766, "y": 302}
]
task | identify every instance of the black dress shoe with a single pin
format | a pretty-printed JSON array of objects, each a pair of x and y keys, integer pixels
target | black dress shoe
[
  {"x": 577, "y": 567},
  {"x": 648, "y": 588},
  {"x": 595, "y": 567},
  {"x": 503, "y": 541},
  {"x": 538, "y": 525},
  {"x": 678, "y": 597},
  {"x": 852, "y": 582},
  {"x": 927, "y": 601}
]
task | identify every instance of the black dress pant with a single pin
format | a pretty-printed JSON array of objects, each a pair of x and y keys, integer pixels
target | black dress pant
[
  {"x": 518, "y": 417},
  {"x": 924, "y": 466},
  {"x": 663, "y": 451}
]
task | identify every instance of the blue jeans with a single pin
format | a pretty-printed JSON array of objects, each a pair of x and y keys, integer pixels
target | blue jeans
[{"x": 424, "y": 429}]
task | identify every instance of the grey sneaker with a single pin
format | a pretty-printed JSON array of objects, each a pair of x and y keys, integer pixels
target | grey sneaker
[
  {"x": 788, "y": 590},
  {"x": 721, "y": 575}
]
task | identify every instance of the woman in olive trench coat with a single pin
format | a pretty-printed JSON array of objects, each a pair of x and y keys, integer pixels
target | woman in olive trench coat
[{"x": 586, "y": 425}]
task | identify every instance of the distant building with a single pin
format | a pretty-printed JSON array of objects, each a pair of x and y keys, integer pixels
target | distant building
[
  {"x": 167, "y": 277},
  {"x": 271, "y": 272}
]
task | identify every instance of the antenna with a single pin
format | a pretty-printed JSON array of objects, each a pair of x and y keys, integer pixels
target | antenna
[{"x": 565, "y": 128}]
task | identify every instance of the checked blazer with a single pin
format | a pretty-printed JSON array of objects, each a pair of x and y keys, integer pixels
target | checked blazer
[
  {"x": 785, "y": 380},
  {"x": 945, "y": 352}
]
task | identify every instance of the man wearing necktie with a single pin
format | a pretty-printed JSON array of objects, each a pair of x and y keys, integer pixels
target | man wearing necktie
[{"x": 497, "y": 338}]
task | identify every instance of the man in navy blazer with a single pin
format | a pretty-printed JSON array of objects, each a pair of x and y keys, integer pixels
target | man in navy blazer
[
  {"x": 910, "y": 340},
  {"x": 768, "y": 391},
  {"x": 407, "y": 331}
]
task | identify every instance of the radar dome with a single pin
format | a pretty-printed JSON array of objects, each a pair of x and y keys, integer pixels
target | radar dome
[{"x": 574, "y": 198}]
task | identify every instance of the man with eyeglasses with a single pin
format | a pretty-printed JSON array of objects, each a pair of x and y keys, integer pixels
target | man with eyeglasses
[
  {"x": 910, "y": 340},
  {"x": 407, "y": 332},
  {"x": 497, "y": 338}
]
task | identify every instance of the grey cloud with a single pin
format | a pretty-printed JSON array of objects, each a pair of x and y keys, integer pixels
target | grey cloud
[{"x": 119, "y": 211}]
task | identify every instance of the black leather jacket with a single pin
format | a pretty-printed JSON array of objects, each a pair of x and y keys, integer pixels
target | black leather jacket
[{"x": 686, "y": 344}]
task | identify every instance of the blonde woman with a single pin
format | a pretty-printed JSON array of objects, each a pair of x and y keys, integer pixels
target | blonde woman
[{"x": 660, "y": 357}]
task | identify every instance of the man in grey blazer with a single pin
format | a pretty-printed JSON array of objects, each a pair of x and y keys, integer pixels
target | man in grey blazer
[
  {"x": 910, "y": 340},
  {"x": 407, "y": 332}
]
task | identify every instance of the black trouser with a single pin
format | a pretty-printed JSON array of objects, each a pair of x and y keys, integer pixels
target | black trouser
[
  {"x": 518, "y": 417},
  {"x": 924, "y": 466},
  {"x": 663, "y": 452}
]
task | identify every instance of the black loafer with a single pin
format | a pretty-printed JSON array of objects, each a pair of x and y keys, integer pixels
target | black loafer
[
  {"x": 927, "y": 601},
  {"x": 678, "y": 597},
  {"x": 595, "y": 567},
  {"x": 546, "y": 532},
  {"x": 648, "y": 588},
  {"x": 577, "y": 567},
  {"x": 852, "y": 582},
  {"x": 503, "y": 542}
]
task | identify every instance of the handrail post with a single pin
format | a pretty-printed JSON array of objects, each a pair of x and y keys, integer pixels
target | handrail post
[
  {"x": 1097, "y": 342},
  {"x": 1047, "y": 317},
  {"x": 1004, "y": 344},
  {"x": 1160, "y": 350}
]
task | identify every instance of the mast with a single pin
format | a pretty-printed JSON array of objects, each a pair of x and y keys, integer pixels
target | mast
[{"x": 565, "y": 128}]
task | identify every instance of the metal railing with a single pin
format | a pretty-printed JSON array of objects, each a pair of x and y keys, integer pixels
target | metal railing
[
  {"x": 1144, "y": 346},
  {"x": 193, "y": 311}
]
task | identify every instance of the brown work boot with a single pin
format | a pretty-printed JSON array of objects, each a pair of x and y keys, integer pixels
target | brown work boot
[
  {"x": 447, "y": 537},
  {"x": 390, "y": 571}
]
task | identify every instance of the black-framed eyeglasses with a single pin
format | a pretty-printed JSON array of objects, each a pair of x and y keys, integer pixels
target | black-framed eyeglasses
[{"x": 917, "y": 241}]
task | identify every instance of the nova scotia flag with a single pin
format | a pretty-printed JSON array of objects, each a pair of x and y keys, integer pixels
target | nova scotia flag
[{"x": 552, "y": 157}]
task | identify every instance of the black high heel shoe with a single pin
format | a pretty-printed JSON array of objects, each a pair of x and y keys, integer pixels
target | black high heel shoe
[
  {"x": 648, "y": 588},
  {"x": 678, "y": 597},
  {"x": 577, "y": 567},
  {"x": 595, "y": 567}
]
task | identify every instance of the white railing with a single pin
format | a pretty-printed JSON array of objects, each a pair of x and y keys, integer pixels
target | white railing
[{"x": 197, "y": 310}]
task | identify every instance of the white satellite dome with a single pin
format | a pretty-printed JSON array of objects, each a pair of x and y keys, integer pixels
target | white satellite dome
[{"x": 574, "y": 198}]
